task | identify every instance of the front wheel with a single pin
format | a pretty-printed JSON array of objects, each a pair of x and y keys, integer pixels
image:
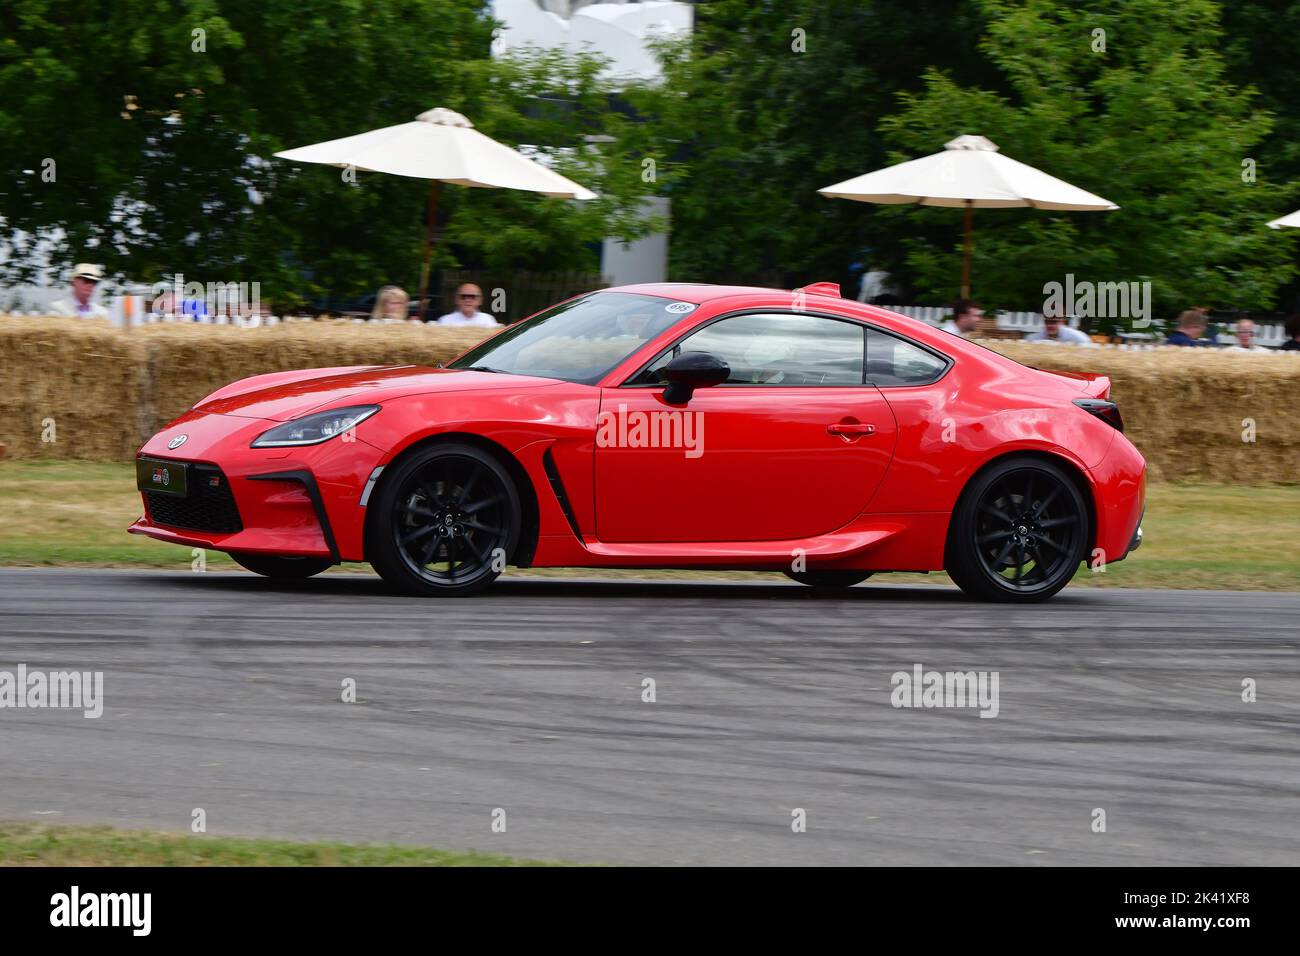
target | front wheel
[
  {"x": 283, "y": 568},
  {"x": 828, "y": 579},
  {"x": 443, "y": 522},
  {"x": 1019, "y": 532}
]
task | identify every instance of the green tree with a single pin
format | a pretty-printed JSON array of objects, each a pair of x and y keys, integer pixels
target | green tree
[
  {"x": 766, "y": 103},
  {"x": 1151, "y": 123},
  {"x": 161, "y": 118},
  {"x": 1259, "y": 53}
]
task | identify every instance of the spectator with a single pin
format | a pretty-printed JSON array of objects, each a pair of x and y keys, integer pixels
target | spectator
[
  {"x": 965, "y": 319},
  {"x": 391, "y": 303},
  {"x": 166, "y": 305},
  {"x": 85, "y": 277},
  {"x": 468, "y": 298},
  {"x": 1292, "y": 329},
  {"x": 1191, "y": 326},
  {"x": 1245, "y": 333},
  {"x": 1055, "y": 330}
]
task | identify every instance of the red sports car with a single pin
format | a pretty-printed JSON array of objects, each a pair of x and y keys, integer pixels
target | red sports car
[{"x": 664, "y": 426}]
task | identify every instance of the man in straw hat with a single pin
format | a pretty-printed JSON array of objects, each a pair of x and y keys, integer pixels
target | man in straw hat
[{"x": 81, "y": 304}]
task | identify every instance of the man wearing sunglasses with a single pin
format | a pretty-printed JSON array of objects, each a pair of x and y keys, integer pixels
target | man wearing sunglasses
[
  {"x": 81, "y": 304},
  {"x": 468, "y": 298}
]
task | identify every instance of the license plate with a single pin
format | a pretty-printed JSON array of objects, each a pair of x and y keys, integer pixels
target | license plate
[{"x": 171, "y": 477}]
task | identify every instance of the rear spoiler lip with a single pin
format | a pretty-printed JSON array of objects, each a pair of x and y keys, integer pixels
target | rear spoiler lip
[{"x": 1090, "y": 384}]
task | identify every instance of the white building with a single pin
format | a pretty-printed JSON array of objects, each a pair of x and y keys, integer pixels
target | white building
[{"x": 619, "y": 31}]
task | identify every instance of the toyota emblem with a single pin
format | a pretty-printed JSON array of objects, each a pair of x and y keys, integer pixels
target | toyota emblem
[{"x": 178, "y": 441}]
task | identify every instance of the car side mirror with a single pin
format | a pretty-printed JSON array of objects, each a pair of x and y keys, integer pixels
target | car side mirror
[{"x": 692, "y": 370}]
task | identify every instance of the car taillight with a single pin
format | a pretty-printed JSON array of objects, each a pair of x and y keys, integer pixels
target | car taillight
[{"x": 1108, "y": 412}]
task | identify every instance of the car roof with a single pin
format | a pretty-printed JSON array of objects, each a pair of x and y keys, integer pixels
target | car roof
[
  {"x": 818, "y": 298},
  {"x": 696, "y": 292},
  {"x": 700, "y": 293}
]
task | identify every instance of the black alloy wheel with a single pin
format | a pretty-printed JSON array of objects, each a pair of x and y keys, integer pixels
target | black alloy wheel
[
  {"x": 1019, "y": 532},
  {"x": 444, "y": 522}
]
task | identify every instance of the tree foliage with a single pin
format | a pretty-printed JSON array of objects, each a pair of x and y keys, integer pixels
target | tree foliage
[
  {"x": 1151, "y": 124},
  {"x": 161, "y": 118},
  {"x": 770, "y": 101},
  {"x": 1154, "y": 123}
]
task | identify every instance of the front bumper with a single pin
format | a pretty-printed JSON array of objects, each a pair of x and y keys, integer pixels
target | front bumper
[
  {"x": 286, "y": 520},
  {"x": 302, "y": 502}
]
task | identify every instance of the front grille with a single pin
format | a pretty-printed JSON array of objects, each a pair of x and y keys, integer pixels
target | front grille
[{"x": 208, "y": 506}]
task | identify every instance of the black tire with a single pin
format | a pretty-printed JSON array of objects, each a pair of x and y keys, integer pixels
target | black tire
[
  {"x": 1019, "y": 532},
  {"x": 443, "y": 521},
  {"x": 829, "y": 579},
  {"x": 283, "y": 568}
]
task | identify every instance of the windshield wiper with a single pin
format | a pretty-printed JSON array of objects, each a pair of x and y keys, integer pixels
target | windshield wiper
[{"x": 483, "y": 368}]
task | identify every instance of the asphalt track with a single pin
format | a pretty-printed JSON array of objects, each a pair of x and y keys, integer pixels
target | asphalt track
[{"x": 222, "y": 691}]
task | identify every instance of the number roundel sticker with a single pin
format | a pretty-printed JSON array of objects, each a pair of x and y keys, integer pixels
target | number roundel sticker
[{"x": 679, "y": 308}]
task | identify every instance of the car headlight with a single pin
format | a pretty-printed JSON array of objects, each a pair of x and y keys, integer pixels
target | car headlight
[{"x": 316, "y": 428}]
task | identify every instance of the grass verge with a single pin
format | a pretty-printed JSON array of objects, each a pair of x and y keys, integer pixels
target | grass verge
[
  {"x": 27, "y": 844},
  {"x": 1197, "y": 536}
]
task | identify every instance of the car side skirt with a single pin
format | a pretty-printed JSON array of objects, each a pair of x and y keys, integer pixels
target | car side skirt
[{"x": 901, "y": 542}]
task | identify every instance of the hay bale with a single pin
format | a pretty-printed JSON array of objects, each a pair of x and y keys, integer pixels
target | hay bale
[
  {"x": 107, "y": 390},
  {"x": 1189, "y": 410},
  {"x": 186, "y": 361},
  {"x": 68, "y": 389}
]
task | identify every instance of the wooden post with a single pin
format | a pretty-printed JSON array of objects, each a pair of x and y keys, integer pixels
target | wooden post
[{"x": 428, "y": 248}]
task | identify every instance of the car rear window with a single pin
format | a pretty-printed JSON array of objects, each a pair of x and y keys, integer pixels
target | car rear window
[{"x": 893, "y": 361}]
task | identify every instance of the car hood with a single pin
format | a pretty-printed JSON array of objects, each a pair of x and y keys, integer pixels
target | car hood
[{"x": 281, "y": 396}]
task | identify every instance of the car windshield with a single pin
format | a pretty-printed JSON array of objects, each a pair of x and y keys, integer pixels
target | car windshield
[{"x": 579, "y": 340}]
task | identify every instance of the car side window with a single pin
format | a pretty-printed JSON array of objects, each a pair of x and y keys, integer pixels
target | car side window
[
  {"x": 895, "y": 361},
  {"x": 776, "y": 349}
]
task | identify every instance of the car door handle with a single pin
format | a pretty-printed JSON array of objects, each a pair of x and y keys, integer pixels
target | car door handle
[{"x": 846, "y": 429}]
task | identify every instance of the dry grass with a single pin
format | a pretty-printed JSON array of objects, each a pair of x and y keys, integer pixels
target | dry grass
[
  {"x": 107, "y": 390},
  {"x": 1197, "y": 536}
]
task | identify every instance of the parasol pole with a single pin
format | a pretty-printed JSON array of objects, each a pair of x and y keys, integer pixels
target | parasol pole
[
  {"x": 428, "y": 248},
  {"x": 965, "y": 262}
]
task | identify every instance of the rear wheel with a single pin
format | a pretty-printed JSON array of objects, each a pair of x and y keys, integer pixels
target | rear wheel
[
  {"x": 284, "y": 568},
  {"x": 443, "y": 522},
  {"x": 829, "y": 579},
  {"x": 1018, "y": 533}
]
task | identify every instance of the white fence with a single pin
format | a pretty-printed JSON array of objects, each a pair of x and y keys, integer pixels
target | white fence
[
  {"x": 128, "y": 310},
  {"x": 1268, "y": 334},
  {"x": 1023, "y": 322}
]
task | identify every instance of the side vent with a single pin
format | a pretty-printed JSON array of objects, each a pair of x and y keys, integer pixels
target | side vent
[{"x": 557, "y": 488}]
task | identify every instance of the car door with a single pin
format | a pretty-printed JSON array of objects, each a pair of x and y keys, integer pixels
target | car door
[{"x": 791, "y": 446}]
